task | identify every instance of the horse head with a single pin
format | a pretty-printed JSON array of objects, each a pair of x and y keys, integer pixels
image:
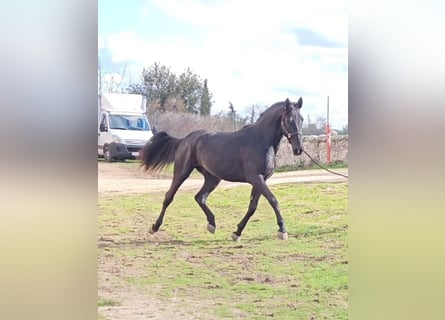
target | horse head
[{"x": 292, "y": 124}]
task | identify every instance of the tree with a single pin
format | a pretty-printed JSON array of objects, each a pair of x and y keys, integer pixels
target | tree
[
  {"x": 253, "y": 112},
  {"x": 157, "y": 84},
  {"x": 321, "y": 122},
  {"x": 206, "y": 104},
  {"x": 165, "y": 91},
  {"x": 189, "y": 89},
  {"x": 311, "y": 128}
]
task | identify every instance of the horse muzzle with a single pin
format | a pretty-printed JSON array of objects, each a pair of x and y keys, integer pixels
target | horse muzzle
[{"x": 298, "y": 151}]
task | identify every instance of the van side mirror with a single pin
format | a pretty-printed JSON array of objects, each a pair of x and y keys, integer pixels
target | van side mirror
[{"x": 103, "y": 127}]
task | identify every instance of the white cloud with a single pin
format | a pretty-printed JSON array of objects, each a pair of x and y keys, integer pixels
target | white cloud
[
  {"x": 126, "y": 45},
  {"x": 250, "y": 53}
]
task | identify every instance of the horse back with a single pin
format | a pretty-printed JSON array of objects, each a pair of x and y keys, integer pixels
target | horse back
[{"x": 231, "y": 156}]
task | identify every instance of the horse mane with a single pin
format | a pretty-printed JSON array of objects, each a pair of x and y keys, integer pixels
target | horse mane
[{"x": 271, "y": 109}]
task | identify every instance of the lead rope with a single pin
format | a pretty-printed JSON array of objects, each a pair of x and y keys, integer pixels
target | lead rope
[{"x": 316, "y": 162}]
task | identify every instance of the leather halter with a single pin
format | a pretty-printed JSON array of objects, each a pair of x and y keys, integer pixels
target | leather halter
[{"x": 285, "y": 131}]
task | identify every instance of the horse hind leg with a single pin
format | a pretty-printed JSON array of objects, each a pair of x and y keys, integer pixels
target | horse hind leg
[
  {"x": 181, "y": 173},
  {"x": 210, "y": 183}
]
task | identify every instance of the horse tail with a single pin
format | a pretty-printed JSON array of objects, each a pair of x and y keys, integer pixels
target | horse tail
[{"x": 158, "y": 152}]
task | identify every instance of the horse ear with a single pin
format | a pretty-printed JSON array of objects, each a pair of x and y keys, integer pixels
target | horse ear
[
  {"x": 299, "y": 103},
  {"x": 287, "y": 104}
]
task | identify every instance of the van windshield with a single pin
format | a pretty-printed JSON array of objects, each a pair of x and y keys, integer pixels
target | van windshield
[{"x": 129, "y": 122}]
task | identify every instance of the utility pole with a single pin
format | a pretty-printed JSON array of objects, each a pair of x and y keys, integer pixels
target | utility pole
[{"x": 233, "y": 112}]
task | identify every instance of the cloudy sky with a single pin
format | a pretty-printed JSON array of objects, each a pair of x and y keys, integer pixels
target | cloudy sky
[{"x": 250, "y": 51}]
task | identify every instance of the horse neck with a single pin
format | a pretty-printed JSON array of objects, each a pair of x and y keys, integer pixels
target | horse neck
[{"x": 270, "y": 132}]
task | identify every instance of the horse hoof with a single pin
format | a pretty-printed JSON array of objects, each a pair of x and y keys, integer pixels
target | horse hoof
[
  {"x": 151, "y": 230},
  {"x": 211, "y": 228},
  {"x": 282, "y": 235},
  {"x": 236, "y": 237}
]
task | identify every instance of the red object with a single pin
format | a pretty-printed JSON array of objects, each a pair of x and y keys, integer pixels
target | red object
[{"x": 328, "y": 144}]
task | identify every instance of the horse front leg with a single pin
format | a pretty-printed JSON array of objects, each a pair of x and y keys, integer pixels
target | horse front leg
[{"x": 259, "y": 183}]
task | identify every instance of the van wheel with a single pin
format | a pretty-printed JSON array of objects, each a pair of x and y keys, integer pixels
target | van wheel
[{"x": 107, "y": 154}]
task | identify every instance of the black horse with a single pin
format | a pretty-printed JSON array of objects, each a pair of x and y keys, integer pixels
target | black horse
[{"x": 246, "y": 155}]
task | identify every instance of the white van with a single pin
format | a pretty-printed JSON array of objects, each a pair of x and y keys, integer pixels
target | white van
[{"x": 123, "y": 126}]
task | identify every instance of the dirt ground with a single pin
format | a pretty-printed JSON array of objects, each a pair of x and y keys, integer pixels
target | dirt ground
[
  {"x": 118, "y": 178},
  {"x": 114, "y": 178}
]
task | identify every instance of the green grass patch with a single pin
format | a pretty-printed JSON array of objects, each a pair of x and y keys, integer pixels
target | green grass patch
[
  {"x": 107, "y": 302},
  {"x": 260, "y": 277}
]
